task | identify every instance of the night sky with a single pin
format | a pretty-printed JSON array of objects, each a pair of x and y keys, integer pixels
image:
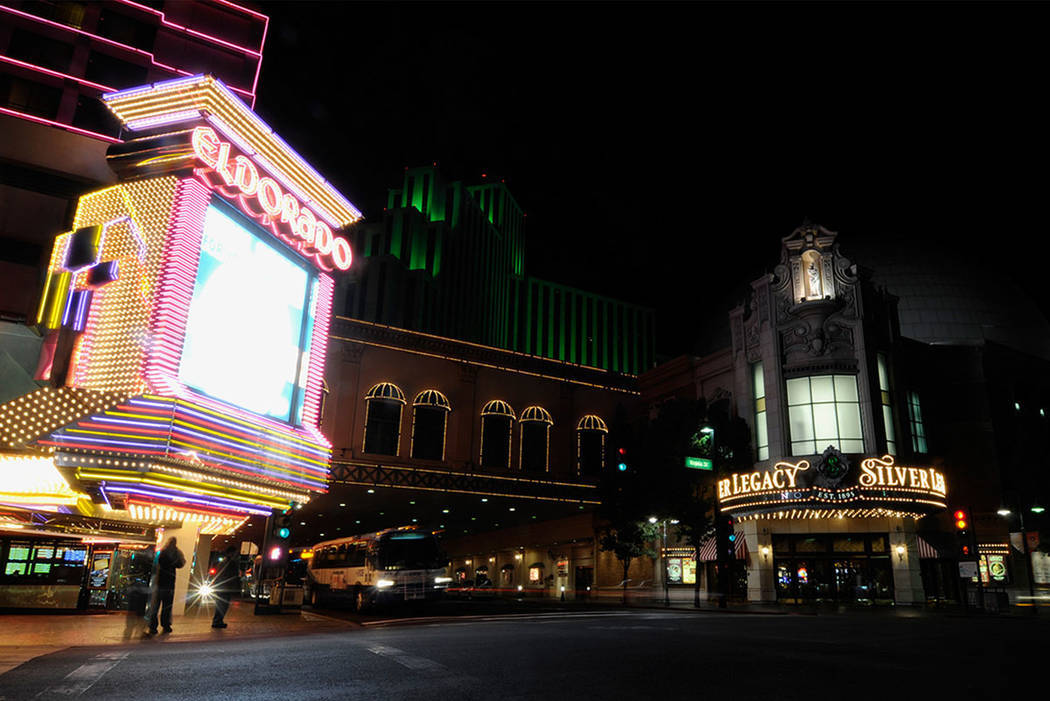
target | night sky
[{"x": 661, "y": 151}]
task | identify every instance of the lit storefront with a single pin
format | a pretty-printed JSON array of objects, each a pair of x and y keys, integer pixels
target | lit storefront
[
  {"x": 844, "y": 498},
  {"x": 840, "y": 529},
  {"x": 186, "y": 320}
]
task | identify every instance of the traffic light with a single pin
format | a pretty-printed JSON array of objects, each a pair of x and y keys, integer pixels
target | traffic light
[
  {"x": 281, "y": 526},
  {"x": 964, "y": 533},
  {"x": 621, "y": 459}
]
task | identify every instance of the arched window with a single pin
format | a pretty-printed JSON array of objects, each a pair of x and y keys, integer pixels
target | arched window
[
  {"x": 383, "y": 419},
  {"x": 497, "y": 421},
  {"x": 590, "y": 445},
  {"x": 536, "y": 425},
  {"x": 429, "y": 416}
]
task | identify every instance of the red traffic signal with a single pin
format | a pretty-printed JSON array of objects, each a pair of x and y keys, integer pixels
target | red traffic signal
[{"x": 961, "y": 520}]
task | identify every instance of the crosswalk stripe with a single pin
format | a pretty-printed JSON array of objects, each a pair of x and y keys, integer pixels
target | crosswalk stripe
[
  {"x": 406, "y": 660},
  {"x": 84, "y": 677}
]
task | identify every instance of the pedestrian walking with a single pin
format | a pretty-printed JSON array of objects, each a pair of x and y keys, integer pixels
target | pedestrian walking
[
  {"x": 225, "y": 584},
  {"x": 169, "y": 559}
]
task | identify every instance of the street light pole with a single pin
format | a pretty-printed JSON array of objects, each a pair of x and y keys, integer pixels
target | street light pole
[
  {"x": 667, "y": 591},
  {"x": 1024, "y": 549},
  {"x": 1027, "y": 559}
]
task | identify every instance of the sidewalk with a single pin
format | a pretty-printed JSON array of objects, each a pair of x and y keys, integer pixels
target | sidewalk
[{"x": 26, "y": 636}]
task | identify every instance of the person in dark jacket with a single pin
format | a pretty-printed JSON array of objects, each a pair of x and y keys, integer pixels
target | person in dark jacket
[
  {"x": 225, "y": 583},
  {"x": 169, "y": 559}
]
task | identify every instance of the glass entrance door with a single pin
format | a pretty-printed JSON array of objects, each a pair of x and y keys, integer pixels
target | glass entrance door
[{"x": 833, "y": 568}]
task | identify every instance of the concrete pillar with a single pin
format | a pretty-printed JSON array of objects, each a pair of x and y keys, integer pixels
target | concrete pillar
[
  {"x": 760, "y": 566},
  {"x": 904, "y": 554},
  {"x": 186, "y": 539},
  {"x": 201, "y": 558}
]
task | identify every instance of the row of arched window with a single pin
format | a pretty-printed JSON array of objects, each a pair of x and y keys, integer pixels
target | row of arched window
[{"x": 430, "y": 409}]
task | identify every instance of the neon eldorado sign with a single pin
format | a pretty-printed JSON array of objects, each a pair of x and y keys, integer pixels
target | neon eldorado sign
[{"x": 262, "y": 198}]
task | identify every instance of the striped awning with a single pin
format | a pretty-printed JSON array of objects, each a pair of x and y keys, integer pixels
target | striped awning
[
  {"x": 709, "y": 550},
  {"x": 926, "y": 551}
]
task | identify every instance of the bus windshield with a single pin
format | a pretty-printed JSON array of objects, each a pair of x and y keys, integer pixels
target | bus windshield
[{"x": 407, "y": 551}]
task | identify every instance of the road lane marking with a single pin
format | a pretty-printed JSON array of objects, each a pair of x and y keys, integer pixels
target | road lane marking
[
  {"x": 84, "y": 677},
  {"x": 485, "y": 618},
  {"x": 406, "y": 660}
]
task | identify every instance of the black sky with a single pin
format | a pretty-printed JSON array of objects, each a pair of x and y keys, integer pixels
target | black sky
[{"x": 662, "y": 150}]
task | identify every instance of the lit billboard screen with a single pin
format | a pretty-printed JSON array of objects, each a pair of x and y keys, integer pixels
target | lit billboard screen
[{"x": 250, "y": 321}]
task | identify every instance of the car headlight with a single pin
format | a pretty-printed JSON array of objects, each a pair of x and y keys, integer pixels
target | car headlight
[
  {"x": 442, "y": 580},
  {"x": 383, "y": 583}
]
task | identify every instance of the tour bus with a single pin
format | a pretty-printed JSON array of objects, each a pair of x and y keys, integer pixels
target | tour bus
[{"x": 398, "y": 564}]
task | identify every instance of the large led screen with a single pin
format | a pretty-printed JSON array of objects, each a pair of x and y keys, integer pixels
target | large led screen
[{"x": 248, "y": 328}]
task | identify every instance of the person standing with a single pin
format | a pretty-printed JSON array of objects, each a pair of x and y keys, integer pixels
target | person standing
[
  {"x": 225, "y": 584},
  {"x": 169, "y": 559}
]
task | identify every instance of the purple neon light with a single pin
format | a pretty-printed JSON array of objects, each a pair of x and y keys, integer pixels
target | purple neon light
[
  {"x": 121, "y": 421},
  {"x": 307, "y": 475},
  {"x": 172, "y": 118},
  {"x": 83, "y": 304},
  {"x": 69, "y": 306},
  {"x": 165, "y": 85},
  {"x": 286, "y": 441},
  {"x": 171, "y": 495}
]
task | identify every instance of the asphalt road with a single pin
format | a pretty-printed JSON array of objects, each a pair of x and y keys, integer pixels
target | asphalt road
[{"x": 600, "y": 654}]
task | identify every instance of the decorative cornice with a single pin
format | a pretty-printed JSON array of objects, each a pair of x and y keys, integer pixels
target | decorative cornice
[{"x": 355, "y": 332}]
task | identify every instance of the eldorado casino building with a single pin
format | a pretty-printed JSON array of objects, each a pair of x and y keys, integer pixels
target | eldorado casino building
[{"x": 186, "y": 316}]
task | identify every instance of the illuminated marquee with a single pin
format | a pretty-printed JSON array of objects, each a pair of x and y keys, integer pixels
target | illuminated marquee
[
  {"x": 185, "y": 342},
  {"x": 262, "y": 198},
  {"x": 883, "y": 473},
  {"x": 802, "y": 489}
]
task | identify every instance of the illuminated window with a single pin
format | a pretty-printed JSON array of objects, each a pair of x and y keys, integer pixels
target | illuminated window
[
  {"x": 822, "y": 411},
  {"x": 497, "y": 422},
  {"x": 887, "y": 405},
  {"x": 918, "y": 432},
  {"x": 429, "y": 416},
  {"x": 383, "y": 419},
  {"x": 536, "y": 425},
  {"x": 758, "y": 384},
  {"x": 590, "y": 445}
]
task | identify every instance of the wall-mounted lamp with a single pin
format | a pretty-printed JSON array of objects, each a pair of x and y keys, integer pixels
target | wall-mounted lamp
[
  {"x": 900, "y": 552},
  {"x": 765, "y": 551}
]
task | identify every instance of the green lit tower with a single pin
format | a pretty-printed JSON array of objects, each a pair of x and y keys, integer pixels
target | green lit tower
[{"x": 449, "y": 259}]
